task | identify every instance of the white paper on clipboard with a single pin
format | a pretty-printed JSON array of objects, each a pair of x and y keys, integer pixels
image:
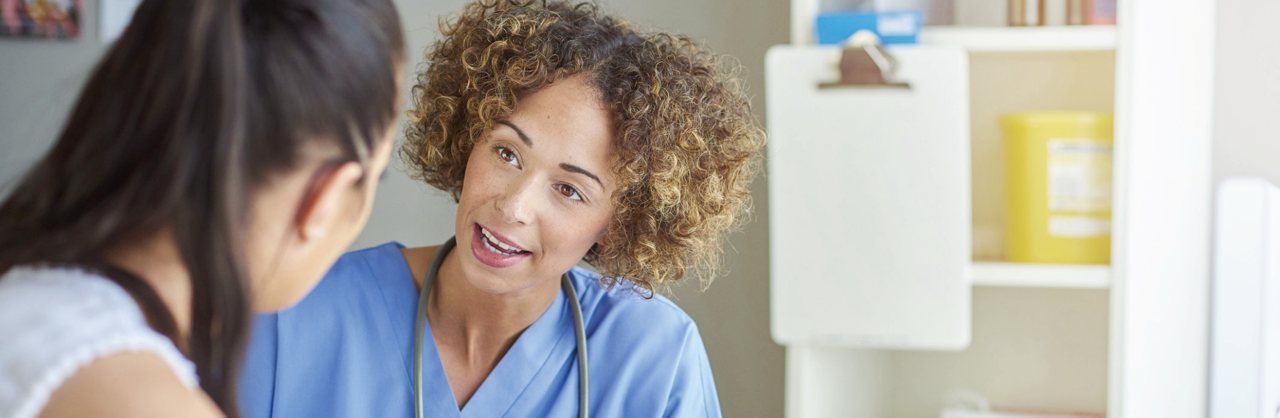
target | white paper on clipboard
[{"x": 869, "y": 201}]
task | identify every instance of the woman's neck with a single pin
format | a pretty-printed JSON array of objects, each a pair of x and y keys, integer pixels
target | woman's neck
[
  {"x": 482, "y": 323},
  {"x": 155, "y": 260}
]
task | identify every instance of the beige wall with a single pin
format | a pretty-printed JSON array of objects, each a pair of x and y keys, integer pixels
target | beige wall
[{"x": 39, "y": 80}]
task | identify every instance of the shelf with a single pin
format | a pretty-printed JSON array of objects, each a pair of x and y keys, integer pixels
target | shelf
[
  {"x": 1022, "y": 39},
  {"x": 1060, "y": 276}
]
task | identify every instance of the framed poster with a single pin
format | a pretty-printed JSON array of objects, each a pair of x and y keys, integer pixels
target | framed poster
[{"x": 51, "y": 19}]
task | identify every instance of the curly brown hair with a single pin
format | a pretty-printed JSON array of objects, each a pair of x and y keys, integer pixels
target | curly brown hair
[{"x": 688, "y": 146}]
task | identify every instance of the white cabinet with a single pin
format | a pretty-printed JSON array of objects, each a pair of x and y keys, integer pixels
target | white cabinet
[
  {"x": 878, "y": 322},
  {"x": 1245, "y": 380}
]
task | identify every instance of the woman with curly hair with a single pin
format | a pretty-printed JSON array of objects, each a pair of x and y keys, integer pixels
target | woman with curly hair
[{"x": 565, "y": 136}]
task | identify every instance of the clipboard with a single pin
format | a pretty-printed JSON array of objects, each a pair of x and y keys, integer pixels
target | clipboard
[{"x": 869, "y": 200}]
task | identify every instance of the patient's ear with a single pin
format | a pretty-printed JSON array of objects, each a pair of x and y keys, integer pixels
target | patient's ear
[{"x": 328, "y": 201}]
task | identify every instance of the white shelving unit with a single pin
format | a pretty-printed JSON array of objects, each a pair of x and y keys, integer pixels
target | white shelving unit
[
  {"x": 1054, "y": 276},
  {"x": 1025, "y": 39},
  {"x": 1064, "y": 338}
]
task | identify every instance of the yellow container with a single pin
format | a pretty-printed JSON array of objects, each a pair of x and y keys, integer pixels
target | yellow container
[{"x": 1058, "y": 187}]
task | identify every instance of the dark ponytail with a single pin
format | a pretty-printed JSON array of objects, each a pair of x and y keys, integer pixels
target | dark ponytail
[{"x": 193, "y": 108}]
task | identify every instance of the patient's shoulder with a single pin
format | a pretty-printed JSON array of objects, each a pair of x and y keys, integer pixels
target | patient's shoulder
[{"x": 127, "y": 384}]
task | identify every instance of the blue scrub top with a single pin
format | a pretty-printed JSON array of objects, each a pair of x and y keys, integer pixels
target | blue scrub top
[{"x": 346, "y": 351}]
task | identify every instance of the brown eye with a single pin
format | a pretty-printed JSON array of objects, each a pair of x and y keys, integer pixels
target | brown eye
[
  {"x": 569, "y": 192},
  {"x": 507, "y": 155}
]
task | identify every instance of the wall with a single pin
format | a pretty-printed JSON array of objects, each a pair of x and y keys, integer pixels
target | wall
[
  {"x": 39, "y": 81},
  {"x": 1247, "y": 91}
]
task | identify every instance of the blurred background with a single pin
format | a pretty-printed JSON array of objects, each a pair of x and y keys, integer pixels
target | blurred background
[{"x": 39, "y": 79}]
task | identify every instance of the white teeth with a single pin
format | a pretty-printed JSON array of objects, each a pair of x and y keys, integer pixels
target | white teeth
[
  {"x": 489, "y": 246},
  {"x": 491, "y": 242}
]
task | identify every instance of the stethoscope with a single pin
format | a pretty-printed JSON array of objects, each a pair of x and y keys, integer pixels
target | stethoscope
[{"x": 421, "y": 322}]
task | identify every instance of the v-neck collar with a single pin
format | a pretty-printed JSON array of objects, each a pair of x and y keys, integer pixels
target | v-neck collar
[{"x": 514, "y": 373}]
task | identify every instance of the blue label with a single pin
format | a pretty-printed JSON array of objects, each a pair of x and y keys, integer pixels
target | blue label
[{"x": 892, "y": 27}]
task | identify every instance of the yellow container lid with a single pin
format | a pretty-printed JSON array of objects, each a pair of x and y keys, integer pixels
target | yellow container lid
[{"x": 1054, "y": 118}]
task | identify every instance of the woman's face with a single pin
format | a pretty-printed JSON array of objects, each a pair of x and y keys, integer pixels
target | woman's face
[{"x": 537, "y": 191}]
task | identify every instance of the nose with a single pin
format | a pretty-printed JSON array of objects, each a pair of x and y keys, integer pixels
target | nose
[{"x": 516, "y": 202}]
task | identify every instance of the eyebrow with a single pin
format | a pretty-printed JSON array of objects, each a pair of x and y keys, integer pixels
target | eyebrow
[
  {"x": 566, "y": 166},
  {"x": 519, "y": 133},
  {"x": 575, "y": 169}
]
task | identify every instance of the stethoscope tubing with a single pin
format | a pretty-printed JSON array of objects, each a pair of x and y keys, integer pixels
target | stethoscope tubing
[{"x": 420, "y": 323}]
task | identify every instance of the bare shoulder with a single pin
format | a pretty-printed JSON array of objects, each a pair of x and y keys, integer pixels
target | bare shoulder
[
  {"x": 419, "y": 260},
  {"x": 133, "y": 384}
]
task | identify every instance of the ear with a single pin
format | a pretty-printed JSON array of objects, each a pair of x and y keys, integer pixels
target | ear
[
  {"x": 324, "y": 204},
  {"x": 600, "y": 237},
  {"x": 603, "y": 234}
]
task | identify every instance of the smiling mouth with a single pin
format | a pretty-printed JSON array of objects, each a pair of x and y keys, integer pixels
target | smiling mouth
[{"x": 498, "y": 246}]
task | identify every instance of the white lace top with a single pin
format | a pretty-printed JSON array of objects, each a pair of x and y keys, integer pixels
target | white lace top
[{"x": 54, "y": 321}]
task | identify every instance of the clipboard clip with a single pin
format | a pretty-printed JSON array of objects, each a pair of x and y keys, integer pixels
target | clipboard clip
[{"x": 864, "y": 63}]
